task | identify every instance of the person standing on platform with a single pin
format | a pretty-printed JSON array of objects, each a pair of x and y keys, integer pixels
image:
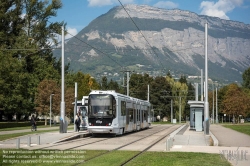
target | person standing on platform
[{"x": 77, "y": 122}]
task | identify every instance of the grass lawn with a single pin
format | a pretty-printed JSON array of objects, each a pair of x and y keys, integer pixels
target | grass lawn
[
  {"x": 111, "y": 159},
  {"x": 178, "y": 158},
  {"x": 243, "y": 128}
]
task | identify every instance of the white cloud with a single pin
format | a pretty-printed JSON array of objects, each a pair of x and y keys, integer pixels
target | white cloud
[
  {"x": 220, "y": 8},
  {"x": 99, "y": 3},
  {"x": 72, "y": 32},
  {"x": 166, "y": 4}
]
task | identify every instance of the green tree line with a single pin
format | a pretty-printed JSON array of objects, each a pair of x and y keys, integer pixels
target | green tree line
[{"x": 233, "y": 100}]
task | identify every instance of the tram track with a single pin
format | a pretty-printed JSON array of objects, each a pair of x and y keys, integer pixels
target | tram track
[
  {"x": 81, "y": 140},
  {"x": 171, "y": 129},
  {"x": 147, "y": 148},
  {"x": 74, "y": 141}
]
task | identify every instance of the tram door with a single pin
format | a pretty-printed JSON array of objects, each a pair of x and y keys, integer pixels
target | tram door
[
  {"x": 138, "y": 123},
  {"x": 128, "y": 107},
  {"x": 142, "y": 118},
  {"x": 135, "y": 116},
  {"x": 123, "y": 116}
]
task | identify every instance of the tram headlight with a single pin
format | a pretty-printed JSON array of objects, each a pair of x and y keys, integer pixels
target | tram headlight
[
  {"x": 90, "y": 124},
  {"x": 108, "y": 124}
]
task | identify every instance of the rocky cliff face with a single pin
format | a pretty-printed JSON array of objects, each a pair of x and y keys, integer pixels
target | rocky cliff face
[
  {"x": 170, "y": 39},
  {"x": 190, "y": 41}
]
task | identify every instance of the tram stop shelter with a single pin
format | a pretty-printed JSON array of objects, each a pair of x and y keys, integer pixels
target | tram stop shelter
[{"x": 196, "y": 115}]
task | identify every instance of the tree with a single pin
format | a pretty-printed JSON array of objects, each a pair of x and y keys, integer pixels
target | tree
[
  {"x": 104, "y": 83},
  {"x": 90, "y": 84},
  {"x": 113, "y": 85},
  {"x": 139, "y": 85},
  {"x": 42, "y": 100},
  {"x": 221, "y": 96},
  {"x": 38, "y": 28},
  {"x": 44, "y": 90},
  {"x": 37, "y": 34},
  {"x": 69, "y": 98},
  {"x": 247, "y": 92},
  {"x": 11, "y": 22},
  {"x": 236, "y": 102},
  {"x": 179, "y": 93},
  {"x": 210, "y": 101},
  {"x": 158, "y": 97},
  {"x": 246, "y": 78},
  {"x": 85, "y": 83},
  {"x": 78, "y": 78},
  {"x": 25, "y": 39},
  {"x": 183, "y": 80},
  {"x": 190, "y": 96},
  {"x": 14, "y": 87},
  {"x": 169, "y": 74}
]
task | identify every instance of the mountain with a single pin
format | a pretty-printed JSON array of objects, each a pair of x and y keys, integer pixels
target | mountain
[{"x": 157, "y": 41}]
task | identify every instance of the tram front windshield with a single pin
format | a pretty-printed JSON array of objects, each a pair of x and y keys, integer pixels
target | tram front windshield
[{"x": 100, "y": 105}]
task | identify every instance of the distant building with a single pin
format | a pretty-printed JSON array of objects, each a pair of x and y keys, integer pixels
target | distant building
[
  {"x": 139, "y": 65},
  {"x": 193, "y": 77}
]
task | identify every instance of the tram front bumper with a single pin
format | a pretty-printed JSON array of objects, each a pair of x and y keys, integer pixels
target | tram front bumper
[{"x": 96, "y": 129}]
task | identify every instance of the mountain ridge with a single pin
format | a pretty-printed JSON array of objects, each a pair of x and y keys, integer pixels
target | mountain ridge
[{"x": 176, "y": 45}]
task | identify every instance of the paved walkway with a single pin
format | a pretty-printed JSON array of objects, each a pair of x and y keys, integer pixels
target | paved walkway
[
  {"x": 233, "y": 146},
  {"x": 35, "y": 139},
  {"x": 28, "y": 130},
  {"x": 228, "y": 137}
]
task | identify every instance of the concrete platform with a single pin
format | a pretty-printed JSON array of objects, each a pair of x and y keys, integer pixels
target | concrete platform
[
  {"x": 41, "y": 139},
  {"x": 231, "y": 145}
]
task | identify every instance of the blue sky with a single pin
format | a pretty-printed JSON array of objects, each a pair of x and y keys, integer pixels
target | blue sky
[{"x": 79, "y": 13}]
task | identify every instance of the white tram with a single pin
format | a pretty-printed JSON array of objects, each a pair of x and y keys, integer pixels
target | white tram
[{"x": 114, "y": 113}]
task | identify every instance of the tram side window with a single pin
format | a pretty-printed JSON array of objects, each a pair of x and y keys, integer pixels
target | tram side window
[
  {"x": 148, "y": 112},
  {"x": 134, "y": 111},
  {"x": 142, "y": 115},
  {"x": 138, "y": 115},
  {"x": 131, "y": 118},
  {"x": 145, "y": 115},
  {"x": 114, "y": 107},
  {"x": 127, "y": 116},
  {"x": 123, "y": 108}
]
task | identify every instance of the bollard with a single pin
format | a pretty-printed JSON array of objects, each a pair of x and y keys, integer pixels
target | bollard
[
  {"x": 28, "y": 140},
  {"x": 38, "y": 140},
  {"x": 18, "y": 143},
  {"x": 167, "y": 144},
  {"x": 171, "y": 142}
]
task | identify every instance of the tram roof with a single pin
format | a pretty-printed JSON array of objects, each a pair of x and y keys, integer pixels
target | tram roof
[{"x": 113, "y": 92}]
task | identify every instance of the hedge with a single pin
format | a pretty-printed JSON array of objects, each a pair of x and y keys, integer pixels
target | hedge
[{"x": 18, "y": 124}]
